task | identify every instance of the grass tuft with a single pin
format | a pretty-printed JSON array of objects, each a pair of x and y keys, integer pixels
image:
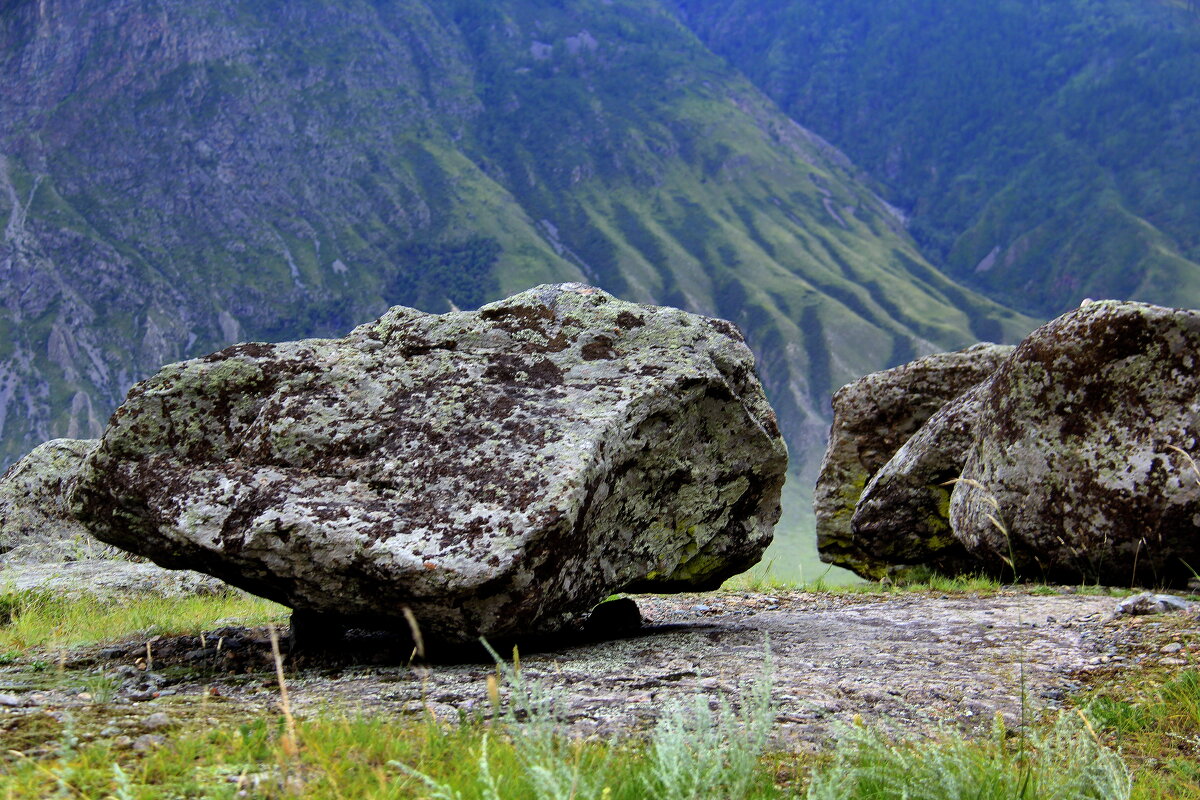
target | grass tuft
[
  {"x": 1156, "y": 725},
  {"x": 1067, "y": 760},
  {"x": 35, "y": 620}
]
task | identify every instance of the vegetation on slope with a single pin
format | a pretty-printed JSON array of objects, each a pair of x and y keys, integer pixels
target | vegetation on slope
[{"x": 1043, "y": 150}]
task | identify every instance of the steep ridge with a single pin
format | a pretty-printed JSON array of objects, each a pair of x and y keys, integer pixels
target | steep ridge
[
  {"x": 178, "y": 176},
  {"x": 1045, "y": 151}
]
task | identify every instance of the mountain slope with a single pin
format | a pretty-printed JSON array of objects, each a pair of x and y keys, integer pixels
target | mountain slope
[
  {"x": 1045, "y": 151},
  {"x": 178, "y": 176}
]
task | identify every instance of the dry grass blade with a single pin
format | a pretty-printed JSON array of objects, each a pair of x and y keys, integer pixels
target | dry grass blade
[
  {"x": 290, "y": 743},
  {"x": 974, "y": 484},
  {"x": 415, "y": 629},
  {"x": 1191, "y": 461}
]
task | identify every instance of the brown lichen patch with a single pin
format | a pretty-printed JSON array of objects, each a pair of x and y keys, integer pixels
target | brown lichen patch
[
  {"x": 413, "y": 349},
  {"x": 600, "y": 348},
  {"x": 533, "y": 372},
  {"x": 628, "y": 320},
  {"x": 516, "y": 318},
  {"x": 726, "y": 328},
  {"x": 246, "y": 350}
]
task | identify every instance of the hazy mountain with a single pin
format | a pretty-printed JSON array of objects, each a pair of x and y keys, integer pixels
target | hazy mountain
[
  {"x": 1044, "y": 150},
  {"x": 180, "y": 175}
]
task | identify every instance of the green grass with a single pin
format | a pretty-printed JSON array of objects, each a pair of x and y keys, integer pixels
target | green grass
[
  {"x": 1066, "y": 759},
  {"x": 766, "y": 580},
  {"x": 1155, "y": 722},
  {"x": 695, "y": 752},
  {"x": 469, "y": 760},
  {"x": 34, "y": 620},
  {"x": 1141, "y": 731}
]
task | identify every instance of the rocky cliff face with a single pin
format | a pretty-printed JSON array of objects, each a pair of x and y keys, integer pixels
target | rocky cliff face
[{"x": 177, "y": 176}]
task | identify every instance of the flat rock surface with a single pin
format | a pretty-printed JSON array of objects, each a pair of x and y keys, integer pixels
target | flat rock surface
[
  {"x": 107, "y": 579},
  {"x": 906, "y": 662}
]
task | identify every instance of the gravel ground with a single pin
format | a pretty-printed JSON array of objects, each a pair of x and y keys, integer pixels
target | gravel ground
[{"x": 907, "y": 662}]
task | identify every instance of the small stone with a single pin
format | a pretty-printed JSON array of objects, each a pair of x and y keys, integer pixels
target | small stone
[
  {"x": 614, "y": 618},
  {"x": 147, "y": 742},
  {"x": 156, "y": 721},
  {"x": 11, "y": 700},
  {"x": 122, "y": 742},
  {"x": 1173, "y": 647},
  {"x": 1172, "y": 662},
  {"x": 1148, "y": 603},
  {"x": 702, "y": 609}
]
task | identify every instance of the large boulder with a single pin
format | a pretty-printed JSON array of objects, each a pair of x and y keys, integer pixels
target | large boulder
[
  {"x": 872, "y": 418},
  {"x": 35, "y": 524},
  {"x": 901, "y": 524},
  {"x": 496, "y": 472},
  {"x": 1079, "y": 466}
]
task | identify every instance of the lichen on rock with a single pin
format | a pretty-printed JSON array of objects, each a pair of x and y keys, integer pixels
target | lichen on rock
[
  {"x": 497, "y": 472},
  {"x": 1081, "y": 452},
  {"x": 35, "y": 524}
]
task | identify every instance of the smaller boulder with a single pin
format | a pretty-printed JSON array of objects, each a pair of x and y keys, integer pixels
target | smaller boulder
[
  {"x": 872, "y": 418},
  {"x": 43, "y": 547},
  {"x": 902, "y": 522},
  {"x": 35, "y": 524},
  {"x": 1148, "y": 603}
]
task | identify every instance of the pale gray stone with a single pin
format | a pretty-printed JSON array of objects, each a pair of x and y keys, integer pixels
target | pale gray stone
[
  {"x": 497, "y": 472},
  {"x": 157, "y": 721},
  {"x": 1150, "y": 603},
  {"x": 108, "y": 579},
  {"x": 43, "y": 547},
  {"x": 35, "y": 525}
]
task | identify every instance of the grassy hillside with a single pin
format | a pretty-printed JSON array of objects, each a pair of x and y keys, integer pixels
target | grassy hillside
[
  {"x": 1045, "y": 151},
  {"x": 178, "y": 176}
]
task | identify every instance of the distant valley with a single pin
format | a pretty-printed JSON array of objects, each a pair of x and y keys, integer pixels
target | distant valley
[{"x": 175, "y": 177}]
